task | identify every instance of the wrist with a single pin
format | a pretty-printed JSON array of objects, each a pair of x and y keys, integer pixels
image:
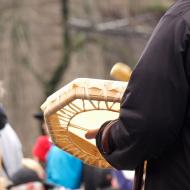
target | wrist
[{"x": 106, "y": 138}]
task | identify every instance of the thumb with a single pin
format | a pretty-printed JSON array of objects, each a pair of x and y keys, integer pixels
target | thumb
[{"x": 91, "y": 134}]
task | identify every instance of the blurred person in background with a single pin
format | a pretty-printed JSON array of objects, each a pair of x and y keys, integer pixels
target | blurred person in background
[
  {"x": 10, "y": 146},
  {"x": 123, "y": 180},
  {"x": 28, "y": 179},
  {"x": 30, "y": 176},
  {"x": 33, "y": 165},
  {"x": 42, "y": 144},
  {"x": 63, "y": 169},
  {"x": 4, "y": 181},
  {"x": 96, "y": 178}
]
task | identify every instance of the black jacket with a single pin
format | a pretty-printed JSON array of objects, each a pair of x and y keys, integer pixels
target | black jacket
[{"x": 154, "y": 121}]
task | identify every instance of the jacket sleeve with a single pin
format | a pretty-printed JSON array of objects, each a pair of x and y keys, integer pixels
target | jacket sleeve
[{"x": 154, "y": 104}]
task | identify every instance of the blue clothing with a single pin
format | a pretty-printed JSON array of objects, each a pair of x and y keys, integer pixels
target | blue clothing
[
  {"x": 63, "y": 169},
  {"x": 124, "y": 184}
]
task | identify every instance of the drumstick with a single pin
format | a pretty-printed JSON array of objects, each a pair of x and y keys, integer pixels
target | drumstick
[{"x": 121, "y": 71}]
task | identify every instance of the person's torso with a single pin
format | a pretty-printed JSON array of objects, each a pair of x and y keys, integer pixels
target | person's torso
[{"x": 171, "y": 171}]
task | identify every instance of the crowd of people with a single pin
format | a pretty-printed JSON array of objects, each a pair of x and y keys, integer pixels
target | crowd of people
[{"x": 49, "y": 166}]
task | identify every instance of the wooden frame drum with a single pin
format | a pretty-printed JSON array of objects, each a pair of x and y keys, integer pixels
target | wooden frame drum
[{"x": 81, "y": 105}]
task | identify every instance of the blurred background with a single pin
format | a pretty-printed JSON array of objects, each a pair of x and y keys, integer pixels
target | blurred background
[{"x": 44, "y": 44}]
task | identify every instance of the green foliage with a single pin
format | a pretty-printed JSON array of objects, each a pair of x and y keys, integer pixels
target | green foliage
[
  {"x": 157, "y": 8},
  {"x": 152, "y": 6},
  {"x": 78, "y": 42}
]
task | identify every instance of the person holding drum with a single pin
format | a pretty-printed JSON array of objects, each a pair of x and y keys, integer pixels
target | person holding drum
[{"x": 154, "y": 120}]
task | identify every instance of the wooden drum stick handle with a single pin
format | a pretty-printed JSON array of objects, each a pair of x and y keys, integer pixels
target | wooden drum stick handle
[{"x": 121, "y": 71}]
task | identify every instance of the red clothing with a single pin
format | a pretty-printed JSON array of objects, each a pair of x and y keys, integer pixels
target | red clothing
[{"x": 41, "y": 148}]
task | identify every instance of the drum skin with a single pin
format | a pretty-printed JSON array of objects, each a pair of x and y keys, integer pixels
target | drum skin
[{"x": 81, "y": 105}]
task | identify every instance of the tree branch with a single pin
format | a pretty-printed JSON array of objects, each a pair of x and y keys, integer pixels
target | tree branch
[{"x": 116, "y": 28}]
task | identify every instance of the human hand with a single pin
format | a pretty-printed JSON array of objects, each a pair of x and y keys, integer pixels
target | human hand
[{"x": 91, "y": 134}]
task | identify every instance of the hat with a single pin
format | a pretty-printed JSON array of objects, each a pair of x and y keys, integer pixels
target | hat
[
  {"x": 26, "y": 175},
  {"x": 33, "y": 165},
  {"x": 39, "y": 116},
  {"x": 3, "y": 118}
]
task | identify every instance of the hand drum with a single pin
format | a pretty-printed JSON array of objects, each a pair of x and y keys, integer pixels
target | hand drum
[{"x": 81, "y": 105}]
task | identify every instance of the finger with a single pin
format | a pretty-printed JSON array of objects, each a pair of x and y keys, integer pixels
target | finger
[{"x": 91, "y": 134}]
